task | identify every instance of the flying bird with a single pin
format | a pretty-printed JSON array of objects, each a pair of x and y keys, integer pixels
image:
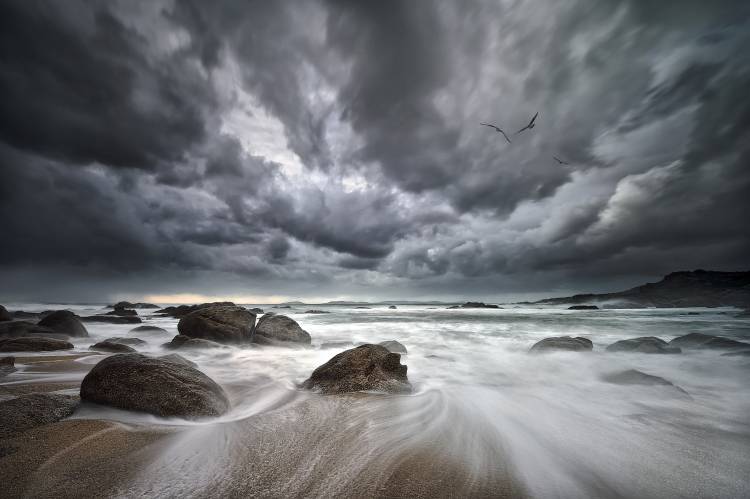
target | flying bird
[
  {"x": 530, "y": 125},
  {"x": 560, "y": 161},
  {"x": 498, "y": 130}
]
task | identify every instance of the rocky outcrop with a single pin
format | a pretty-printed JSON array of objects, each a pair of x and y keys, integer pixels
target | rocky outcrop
[
  {"x": 29, "y": 411},
  {"x": 275, "y": 329},
  {"x": 223, "y": 324},
  {"x": 113, "y": 319},
  {"x": 562, "y": 343},
  {"x": 147, "y": 330},
  {"x": 65, "y": 322},
  {"x": 127, "y": 304},
  {"x": 475, "y": 304},
  {"x": 112, "y": 346},
  {"x": 366, "y": 367},
  {"x": 165, "y": 388},
  {"x": 583, "y": 307},
  {"x": 5, "y": 315},
  {"x": 181, "y": 341},
  {"x": 182, "y": 310},
  {"x": 707, "y": 342},
  {"x": 644, "y": 344},
  {"x": 33, "y": 344},
  {"x": 634, "y": 377},
  {"x": 393, "y": 346}
]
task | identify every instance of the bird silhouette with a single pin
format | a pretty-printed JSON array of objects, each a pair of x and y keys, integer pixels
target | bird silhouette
[
  {"x": 529, "y": 126},
  {"x": 497, "y": 129},
  {"x": 560, "y": 161}
]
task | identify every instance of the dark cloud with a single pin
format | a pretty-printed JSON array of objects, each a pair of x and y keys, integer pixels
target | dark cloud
[{"x": 334, "y": 148}]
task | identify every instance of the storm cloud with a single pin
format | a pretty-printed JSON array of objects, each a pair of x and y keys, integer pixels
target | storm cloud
[{"x": 332, "y": 149}]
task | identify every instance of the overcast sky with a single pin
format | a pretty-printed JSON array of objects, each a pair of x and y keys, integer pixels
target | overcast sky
[{"x": 265, "y": 151}]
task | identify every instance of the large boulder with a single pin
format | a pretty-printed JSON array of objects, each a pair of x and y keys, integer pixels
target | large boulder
[
  {"x": 182, "y": 310},
  {"x": 393, "y": 346},
  {"x": 275, "y": 329},
  {"x": 366, "y": 367},
  {"x": 707, "y": 341},
  {"x": 181, "y": 341},
  {"x": 122, "y": 312},
  {"x": 112, "y": 346},
  {"x": 18, "y": 329},
  {"x": 126, "y": 341},
  {"x": 134, "y": 382},
  {"x": 147, "y": 330},
  {"x": 5, "y": 315},
  {"x": 583, "y": 307},
  {"x": 223, "y": 324},
  {"x": 36, "y": 409},
  {"x": 178, "y": 359},
  {"x": 33, "y": 344},
  {"x": 64, "y": 322},
  {"x": 562, "y": 343},
  {"x": 644, "y": 344},
  {"x": 113, "y": 319}
]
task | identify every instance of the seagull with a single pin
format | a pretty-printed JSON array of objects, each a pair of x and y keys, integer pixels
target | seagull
[
  {"x": 498, "y": 130},
  {"x": 529, "y": 126},
  {"x": 560, "y": 161}
]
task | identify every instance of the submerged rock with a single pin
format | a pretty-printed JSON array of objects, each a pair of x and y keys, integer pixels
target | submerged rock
[
  {"x": 126, "y": 341},
  {"x": 162, "y": 387},
  {"x": 182, "y": 341},
  {"x": 707, "y": 341},
  {"x": 393, "y": 346},
  {"x": 33, "y": 344},
  {"x": 147, "y": 329},
  {"x": 741, "y": 353},
  {"x": 314, "y": 311},
  {"x": 583, "y": 307},
  {"x": 112, "y": 346},
  {"x": 36, "y": 409},
  {"x": 634, "y": 377},
  {"x": 275, "y": 329},
  {"x": 366, "y": 367},
  {"x": 113, "y": 319},
  {"x": 223, "y": 324},
  {"x": 65, "y": 322},
  {"x": 122, "y": 312},
  {"x": 644, "y": 344},
  {"x": 5, "y": 315},
  {"x": 562, "y": 343}
]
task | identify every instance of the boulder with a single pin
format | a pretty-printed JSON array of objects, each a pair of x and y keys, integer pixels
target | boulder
[
  {"x": 113, "y": 319},
  {"x": 644, "y": 344},
  {"x": 392, "y": 307},
  {"x": 562, "y": 343},
  {"x": 20, "y": 329},
  {"x": 275, "y": 329},
  {"x": 147, "y": 330},
  {"x": 707, "y": 341},
  {"x": 111, "y": 346},
  {"x": 134, "y": 382},
  {"x": 7, "y": 365},
  {"x": 178, "y": 359},
  {"x": 223, "y": 324},
  {"x": 126, "y": 341},
  {"x": 634, "y": 377},
  {"x": 393, "y": 346},
  {"x": 583, "y": 307},
  {"x": 65, "y": 322},
  {"x": 33, "y": 344},
  {"x": 127, "y": 304},
  {"x": 256, "y": 310},
  {"x": 314, "y": 311},
  {"x": 182, "y": 310},
  {"x": 474, "y": 304},
  {"x": 5, "y": 315},
  {"x": 182, "y": 341},
  {"x": 36, "y": 409},
  {"x": 366, "y": 367},
  {"x": 122, "y": 312}
]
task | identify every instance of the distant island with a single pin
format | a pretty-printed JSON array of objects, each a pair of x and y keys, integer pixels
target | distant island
[{"x": 697, "y": 288}]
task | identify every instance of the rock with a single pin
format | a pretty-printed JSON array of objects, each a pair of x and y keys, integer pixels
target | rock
[
  {"x": 182, "y": 341},
  {"x": 147, "y": 329},
  {"x": 134, "y": 382},
  {"x": 7, "y": 365},
  {"x": 392, "y": 307},
  {"x": 279, "y": 329},
  {"x": 178, "y": 359},
  {"x": 127, "y": 304},
  {"x": 113, "y": 319},
  {"x": 633, "y": 377},
  {"x": 583, "y": 307},
  {"x": 5, "y": 315},
  {"x": 644, "y": 344},
  {"x": 741, "y": 353},
  {"x": 366, "y": 367},
  {"x": 21, "y": 314},
  {"x": 564, "y": 343},
  {"x": 282, "y": 306},
  {"x": 123, "y": 312},
  {"x": 111, "y": 346},
  {"x": 313, "y": 311},
  {"x": 65, "y": 322},
  {"x": 475, "y": 304},
  {"x": 22, "y": 329},
  {"x": 126, "y": 341},
  {"x": 36, "y": 409},
  {"x": 223, "y": 324},
  {"x": 256, "y": 310},
  {"x": 707, "y": 341},
  {"x": 33, "y": 344},
  {"x": 335, "y": 344},
  {"x": 364, "y": 308},
  {"x": 393, "y": 346},
  {"x": 183, "y": 310}
]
